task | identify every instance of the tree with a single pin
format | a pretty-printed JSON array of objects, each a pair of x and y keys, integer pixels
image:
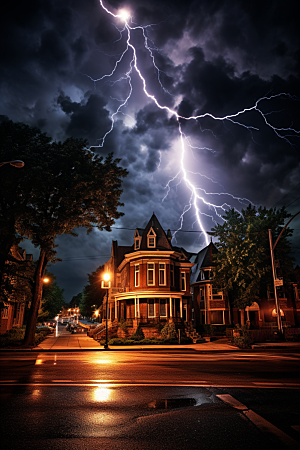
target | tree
[
  {"x": 52, "y": 299},
  {"x": 75, "y": 301},
  {"x": 63, "y": 185},
  {"x": 243, "y": 262},
  {"x": 93, "y": 295}
]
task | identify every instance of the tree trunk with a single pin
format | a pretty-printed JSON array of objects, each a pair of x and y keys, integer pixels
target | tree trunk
[{"x": 29, "y": 339}]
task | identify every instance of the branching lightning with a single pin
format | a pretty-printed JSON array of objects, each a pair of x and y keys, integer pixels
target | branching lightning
[{"x": 198, "y": 196}]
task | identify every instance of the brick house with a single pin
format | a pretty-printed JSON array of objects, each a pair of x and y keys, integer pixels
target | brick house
[
  {"x": 150, "y": 282},
  {"x": 12, "y": 311},
  {"x": 212, "y": 308}
]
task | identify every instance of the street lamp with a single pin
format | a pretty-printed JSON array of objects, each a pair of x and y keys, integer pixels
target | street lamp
[
  {"x": 105, "y": 284},
  {"x": 16, "y": 163}
]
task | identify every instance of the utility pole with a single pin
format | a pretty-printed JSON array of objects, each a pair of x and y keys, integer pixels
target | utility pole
[{"x": 277, "y": 304}]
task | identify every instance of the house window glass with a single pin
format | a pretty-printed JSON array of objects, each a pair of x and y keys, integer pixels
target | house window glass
[
  {"x": 151, "y": 307},
  {"x": 183, "y": 281},
  {"x": 137, "y": 244},
  {"x": 172, "y": 274},
  {"x": 151, "y": 239},
  {"x": 163, "y": 307},
  {"x": 136, "y": 275},
  {"x": 162, "y": 274},
  {"x": 151, "y": 242},
  {"x": 216, "y": 317},
  {"x": 150, "y": 274}
]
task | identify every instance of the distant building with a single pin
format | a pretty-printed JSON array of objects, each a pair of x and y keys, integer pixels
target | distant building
[{"x": 12, "y": 310}]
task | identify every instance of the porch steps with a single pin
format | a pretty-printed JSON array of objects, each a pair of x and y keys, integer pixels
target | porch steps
[{"x": 192, "y": 333}]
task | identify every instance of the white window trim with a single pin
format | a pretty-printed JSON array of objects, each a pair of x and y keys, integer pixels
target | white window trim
[
  {"x": 183, "y": 278},
  {"x": 151, "y": 284},
  {"x": 136, "y": 275},
  {"x": 151, "y": 235},
  {"x": 164, "y": 270}
]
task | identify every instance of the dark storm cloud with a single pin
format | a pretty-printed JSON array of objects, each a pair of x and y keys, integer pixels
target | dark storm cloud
[
  {"x": 216, "y": 56},
  {"x": 88, "y": 119}
]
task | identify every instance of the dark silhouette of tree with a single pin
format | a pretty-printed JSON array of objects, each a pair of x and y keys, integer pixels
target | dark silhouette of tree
[
  {"x": 62, "y": 186},
  {"x": 243, "y": 262}
]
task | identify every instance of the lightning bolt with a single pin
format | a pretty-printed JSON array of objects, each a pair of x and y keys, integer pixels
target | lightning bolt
[{"x": 198, "y": 196}]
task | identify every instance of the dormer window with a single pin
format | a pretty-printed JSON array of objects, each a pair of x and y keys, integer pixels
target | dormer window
[
  {"x": 137, "y": 240},
  {"x": 151, "y": 239}
]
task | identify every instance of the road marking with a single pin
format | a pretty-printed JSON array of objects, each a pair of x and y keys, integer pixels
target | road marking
[
  {"x": 226, "y": 398},
  {"x": 268, "y": 383},
  {"x": 261, "y": 423}
]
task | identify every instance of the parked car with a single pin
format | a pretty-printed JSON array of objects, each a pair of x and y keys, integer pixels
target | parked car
[{"x": 50, "y": 323}]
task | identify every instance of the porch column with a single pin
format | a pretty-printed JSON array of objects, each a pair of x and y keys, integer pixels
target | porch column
[
  {"x": 135, "y": 307},
  {"x": 180, "y": 307},
  {"x": 248, "y": 319},
  {"x": 138, "y": 307},
  {"x": 171, "y": 313},
  {"x": 116, "y": 308}
]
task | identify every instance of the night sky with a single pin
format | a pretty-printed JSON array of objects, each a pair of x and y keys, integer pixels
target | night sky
[{"x": 208, "y": 58}]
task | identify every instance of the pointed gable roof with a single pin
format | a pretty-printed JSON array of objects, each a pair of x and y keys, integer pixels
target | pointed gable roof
[
  {"x": 204, "y": 259},
  {"x": 162, "y": 242}
]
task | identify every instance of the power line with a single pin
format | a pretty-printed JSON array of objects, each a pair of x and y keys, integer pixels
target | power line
[{"x": 286, "y": 196}]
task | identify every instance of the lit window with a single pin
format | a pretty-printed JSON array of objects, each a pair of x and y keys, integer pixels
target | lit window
[
  {"x": 151, "y": 307},
  {"x": 162, "y": 274},
  {"x": 150, "y": 274},
  {"x": 136, "y": 275},
  {"x": 183, "y": 281}
]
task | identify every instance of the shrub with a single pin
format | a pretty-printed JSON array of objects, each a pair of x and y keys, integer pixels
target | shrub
[
  {"x": 15, "y": 337},
  {"x": 244, "y": 340},
  {"x": 169, "y": 332},
  {"x": 138, "y": 335}
]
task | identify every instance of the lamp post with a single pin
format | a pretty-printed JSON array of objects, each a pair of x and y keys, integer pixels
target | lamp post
[
  {"x": 106, "y": 285},
  {"x": 16, "y": 163}
]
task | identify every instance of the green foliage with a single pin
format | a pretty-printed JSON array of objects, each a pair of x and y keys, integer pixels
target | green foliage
[
  {"x": 243, "y": 263},
  {"x": 63, "y": 185},
  {"x": 75, "y": 301},
  {"x": 244, "y": 339},
  {"x": 122, "y": 325},
  {"x": 138, "y": 335},
  {"x": 52, "y": 300},
  {"x": 15, "y": 337},
  {"x": 169, "y": 332},
  {"x": 18, "y": 279},
  {"x": 93, "y": 295}
]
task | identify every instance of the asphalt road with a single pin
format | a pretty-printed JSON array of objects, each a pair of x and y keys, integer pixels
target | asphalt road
[{"x": 149, "y": 400}]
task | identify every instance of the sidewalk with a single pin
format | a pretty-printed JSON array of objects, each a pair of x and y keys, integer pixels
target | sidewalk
[{"x": 75, "y": 342}]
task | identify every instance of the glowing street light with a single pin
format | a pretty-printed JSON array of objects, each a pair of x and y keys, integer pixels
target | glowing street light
[
  {"x": 16, "y": 163},
  {"x": 105, "y": 284}
]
